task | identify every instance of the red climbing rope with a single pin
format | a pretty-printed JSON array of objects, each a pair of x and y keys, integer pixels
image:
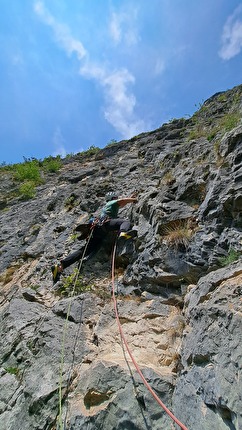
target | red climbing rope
[{"x": 182, "y": 426}]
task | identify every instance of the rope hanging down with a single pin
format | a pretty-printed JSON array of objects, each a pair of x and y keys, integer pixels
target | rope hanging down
[
  {"x": 64, "y": 334},
  {"x": 182, "y": 426}
]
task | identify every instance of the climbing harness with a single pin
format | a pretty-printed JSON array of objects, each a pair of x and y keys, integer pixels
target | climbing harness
[
  {"x": 98, "y": 221},
  {"x": 59, "y": 418},
  {"x": 182, "y": 426}
]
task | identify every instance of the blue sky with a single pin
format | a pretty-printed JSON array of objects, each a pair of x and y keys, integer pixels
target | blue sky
[{"x": 77, "y": 73}]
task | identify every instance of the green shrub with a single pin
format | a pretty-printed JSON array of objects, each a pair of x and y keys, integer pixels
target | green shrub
[
  {"x": 12, "y": 370},
  {"x": 230, "y": 258},
  {"x": 197, "y": 132},
  {"x": 222, "y": 97},
  {"x": 27, "y": 190},
  {"x": 71, "y": 202},
  {"x": 212, "y": 134},
  {"x": 34, "y": 287},
  {"x": 230, "y": 121},
  {"x": 111, "y": 142},
  {"x": 74, "y": 282},
  {"x": 27, "y": 171},
  {"x": 92, "y": 150},
  {"x": 73, "y": 237},
  {"x": 52, "y": 164}
]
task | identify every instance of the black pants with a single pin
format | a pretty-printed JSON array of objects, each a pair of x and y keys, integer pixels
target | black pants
[{"x": 95, "y": 243}]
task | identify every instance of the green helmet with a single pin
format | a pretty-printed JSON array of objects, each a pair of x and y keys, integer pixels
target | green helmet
[{"x": 111, "y": 196}]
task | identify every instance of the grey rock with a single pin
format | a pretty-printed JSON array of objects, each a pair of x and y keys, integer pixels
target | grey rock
[{"x": 179, "y": 309}]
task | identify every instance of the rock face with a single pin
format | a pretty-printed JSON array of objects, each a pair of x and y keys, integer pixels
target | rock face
[
  {"x": 177, "y": 286},
  {"x": 211, "y": 355}
]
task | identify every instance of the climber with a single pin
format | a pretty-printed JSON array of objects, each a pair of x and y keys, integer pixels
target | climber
[{"x": 107, "y": 221}]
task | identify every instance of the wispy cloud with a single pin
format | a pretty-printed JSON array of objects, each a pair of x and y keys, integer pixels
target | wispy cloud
[
  {"x": 123, "y": 29},
  {"x": 232, "y": 35},
  {"x": 115, "y": 29},
  {"x": 59, "y": 143},
  {"x": 61, "y": 31},
  {"x": 159, "y": 66},
  {"x": 120, "y": 102}
]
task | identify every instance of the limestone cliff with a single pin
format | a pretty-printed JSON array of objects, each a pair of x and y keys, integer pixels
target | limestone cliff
[{"x": 178, "y": 285}]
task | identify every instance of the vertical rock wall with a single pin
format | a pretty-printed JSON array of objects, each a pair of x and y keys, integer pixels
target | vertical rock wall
[{"x": 178, "y": 285}]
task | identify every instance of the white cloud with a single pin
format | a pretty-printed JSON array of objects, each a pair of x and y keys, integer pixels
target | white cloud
[
  {"x": 59, "y": 143},
  {"x": 232, "y": 35},
  {"x": 123, "y": 29},
  {"x": 120, "y": 102},
  {"x": 159, "y": 66},
  {"x": 115, "y": 29},
  {"x": 62, "y": 32}
]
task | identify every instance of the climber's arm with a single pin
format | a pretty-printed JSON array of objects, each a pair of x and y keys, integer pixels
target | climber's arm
[{"x": 125, "y": 201}]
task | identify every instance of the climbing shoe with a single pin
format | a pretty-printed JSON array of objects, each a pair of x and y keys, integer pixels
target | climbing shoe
[
  {"x": 56, "y": 273},
  {"x": 128, "y": 234}
]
